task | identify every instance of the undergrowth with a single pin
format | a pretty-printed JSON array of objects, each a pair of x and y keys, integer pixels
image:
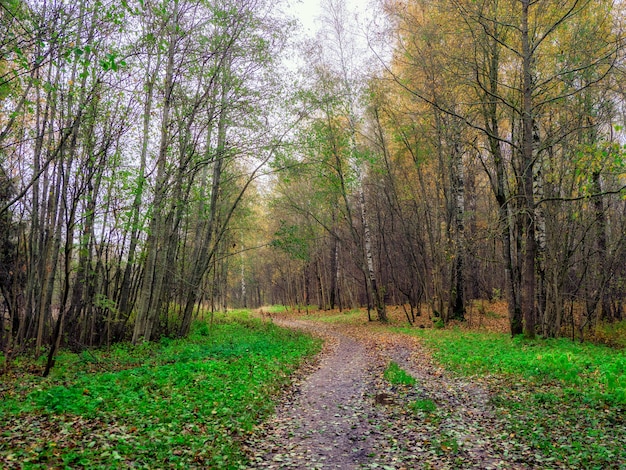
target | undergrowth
[
  {"x": 566, "y": 400},
  {"x": 425, "y": 405},
  {"x": 276, "y": 309},
  {"x": 395, "y": 375},
  {"x": 174, "y": 403},
  {"x": 612, "y": 334}
]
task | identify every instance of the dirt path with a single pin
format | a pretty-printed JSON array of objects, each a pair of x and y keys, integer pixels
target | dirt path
[{"x": 343, "y": 414}]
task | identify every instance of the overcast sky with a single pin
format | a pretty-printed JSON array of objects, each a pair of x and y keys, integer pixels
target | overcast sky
[
  {"x": 307, "y": 11},
  {"x": 359, "y": 15}
]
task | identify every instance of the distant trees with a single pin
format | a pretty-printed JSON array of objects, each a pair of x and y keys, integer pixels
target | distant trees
[
  {"x": 494, "y": 163},
  {"x": 525, "y": 73},
  {"x": 523, "y": 69}
]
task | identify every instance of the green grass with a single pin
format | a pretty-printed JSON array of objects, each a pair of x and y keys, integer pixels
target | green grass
[
  {"x": 352, "y": 317},
  {"x": 276, "y": 309},
  {"x": 565, "y": 399},
  {"x": 174, "y": 403},
  {"x": 598, "y": 371},
  {"x": 424, "y": 406},
  {"x": 395, "y": 375}
]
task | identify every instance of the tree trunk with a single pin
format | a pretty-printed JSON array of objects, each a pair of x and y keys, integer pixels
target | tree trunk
[
  {"x": 156, "y": 247},
  {"x": 457, "y": 297},
  {"x": 377, "y": 295},
  {"x": 529, "y": 243}
]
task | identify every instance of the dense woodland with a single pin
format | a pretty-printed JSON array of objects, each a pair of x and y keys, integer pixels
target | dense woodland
[{"x": 161, "y": 158}]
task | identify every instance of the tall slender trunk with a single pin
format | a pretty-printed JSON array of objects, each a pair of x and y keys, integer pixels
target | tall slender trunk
[
  {"x": 206, "y": 243},
  {"x": 377, "y": 294},
  {"x": 601, "y": 244},
  {"x": 526, "y": 166},
  {"x": 125, "y": 303},
  {"x": 499, "y": 188},
  {"x": 334, "y": 268},
  {"x": 457, "y": 297},
  {"x": 148, "y": 309}
]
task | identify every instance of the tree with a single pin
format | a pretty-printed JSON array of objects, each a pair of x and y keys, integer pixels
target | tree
[
  {"x": 118, "y": 118},
  {"x": 516, "y": 70}
]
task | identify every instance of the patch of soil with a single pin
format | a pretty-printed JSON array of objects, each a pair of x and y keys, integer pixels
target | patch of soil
[{"x": 343, "y": 414}]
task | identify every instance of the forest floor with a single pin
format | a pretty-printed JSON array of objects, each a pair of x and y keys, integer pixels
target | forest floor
[
  {"x": 241, "y": 393},
  {"x": 343, "y": 413},
  {"x": 174, "y": 403}
]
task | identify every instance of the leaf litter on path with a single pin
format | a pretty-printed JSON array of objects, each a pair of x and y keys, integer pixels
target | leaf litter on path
[{"x": 341, "y": 413}]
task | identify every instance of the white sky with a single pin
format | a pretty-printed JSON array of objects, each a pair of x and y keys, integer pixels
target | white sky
[
  {"x": 359, "y": 14},
  {"x": 307, "y": 12}
]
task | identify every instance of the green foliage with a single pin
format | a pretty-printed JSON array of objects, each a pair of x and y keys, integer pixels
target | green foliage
[
  {"x": 112, "y": 63},
  {"x": 200, "y": 328},
  {"x": 103, "y": 302},
  {"x": 438, "y": 323},
  {"x": 563, "y": 399},
  {"x": 289, "y": 239},
  {"x": 176, "y": 403},
  {"x": 423, "y": 405},
  {"x": 599, "y": 370},
  {"x": 353, "y": 316},
  {"x": 446, "y": 444},
  {"x": 276, "y": 309},
  {"x": 604, "y": 157},
  {"x": 496, "y": 294},
  {"x": 395, "y": 375}
]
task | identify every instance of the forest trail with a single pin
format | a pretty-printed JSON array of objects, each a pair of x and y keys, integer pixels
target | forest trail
[{"x": 342, "y": 413}]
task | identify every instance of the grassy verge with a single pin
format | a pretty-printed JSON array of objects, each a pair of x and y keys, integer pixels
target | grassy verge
[
  {"x": 173, "y": 404},
  {"x": 351, "y": 317},
  {"x": 567, "y": 400},
  {"x": 276, "y": 309}
]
